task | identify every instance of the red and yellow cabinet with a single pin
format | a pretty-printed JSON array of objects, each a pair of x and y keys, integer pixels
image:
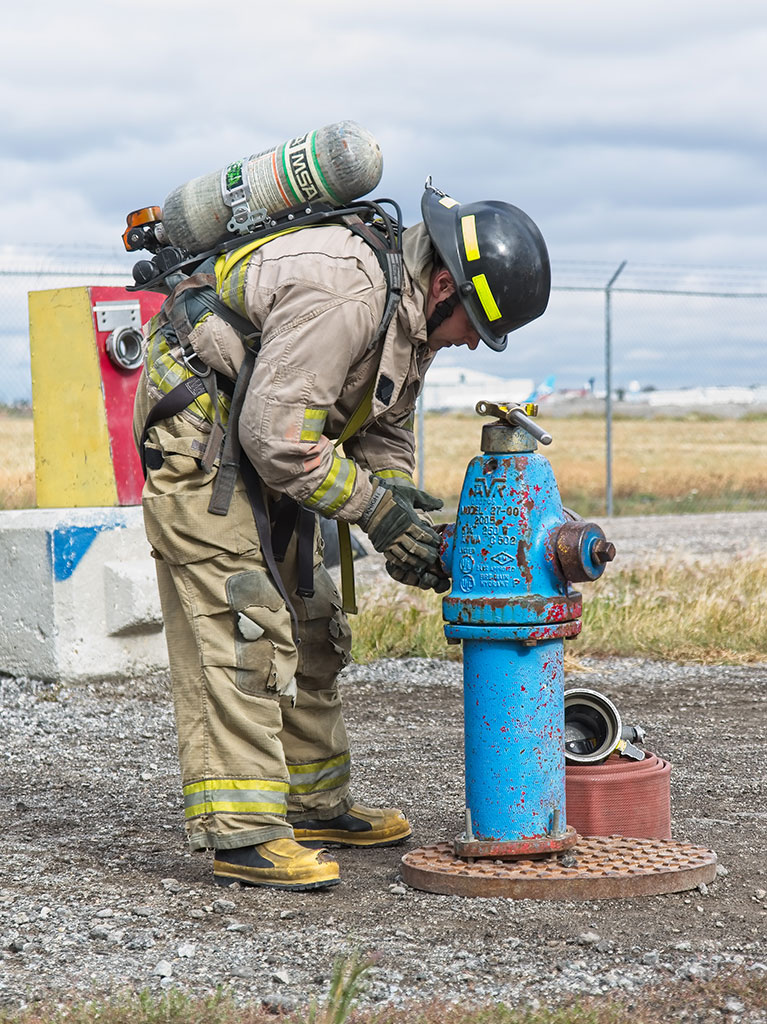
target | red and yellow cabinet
[{"x": 86, "y": 359}]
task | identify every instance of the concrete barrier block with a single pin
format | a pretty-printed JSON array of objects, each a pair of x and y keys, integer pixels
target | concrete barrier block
[{"x": 78, "y": 596}]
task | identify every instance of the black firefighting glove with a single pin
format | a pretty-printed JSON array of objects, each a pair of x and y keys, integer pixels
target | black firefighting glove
[
  {"x": 394, "y": 525},
  {"x": 429, "y": 578}
]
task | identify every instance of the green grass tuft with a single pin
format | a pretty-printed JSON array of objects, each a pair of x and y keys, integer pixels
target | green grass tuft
[{"x": 687, "y": 613}]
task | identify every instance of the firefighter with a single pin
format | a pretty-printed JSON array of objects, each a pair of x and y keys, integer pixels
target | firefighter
[{"x": 256, "y": 637}]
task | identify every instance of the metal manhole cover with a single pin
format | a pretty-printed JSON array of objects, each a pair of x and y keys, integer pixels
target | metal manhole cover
[{"x": 605, "y": 867}]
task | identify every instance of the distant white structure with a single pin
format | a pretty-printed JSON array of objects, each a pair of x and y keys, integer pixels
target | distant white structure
[
  {"x": 706, "y": 396},
  {"x": 454, "y": 388}
]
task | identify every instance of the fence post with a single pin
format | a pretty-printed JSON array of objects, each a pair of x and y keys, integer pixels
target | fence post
[{"x": 609, "y": 391}]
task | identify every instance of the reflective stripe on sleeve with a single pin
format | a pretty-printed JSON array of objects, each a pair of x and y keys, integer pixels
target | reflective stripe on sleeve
[
  {"x": 235, "y": 796},
  {"x": 319, "y": 775},
  {"x": 392, "y": 474},
  {"x": 314, "y": 421},
  {"x": 335, "y": 490}
]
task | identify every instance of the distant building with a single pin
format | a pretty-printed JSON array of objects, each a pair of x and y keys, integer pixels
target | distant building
[
  {"x": 701, "y": 397},
  {"x": 450, "y": 388}
]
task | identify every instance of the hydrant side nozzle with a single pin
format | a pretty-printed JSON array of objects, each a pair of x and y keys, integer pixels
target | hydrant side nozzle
[{"x": 582, "y": 551}]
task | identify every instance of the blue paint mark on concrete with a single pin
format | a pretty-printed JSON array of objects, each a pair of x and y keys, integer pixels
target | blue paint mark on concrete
[{"x": 68, "y": 544}]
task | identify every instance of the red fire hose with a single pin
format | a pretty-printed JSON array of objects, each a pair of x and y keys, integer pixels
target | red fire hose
[{"x": 620, "y": 797}]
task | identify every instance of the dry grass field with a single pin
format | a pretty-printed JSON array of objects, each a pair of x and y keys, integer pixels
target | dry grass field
[
  {"x": 659, "y": 465},
  {"x": 719, "y": 617},
  {"x": 17, "y": 467}
]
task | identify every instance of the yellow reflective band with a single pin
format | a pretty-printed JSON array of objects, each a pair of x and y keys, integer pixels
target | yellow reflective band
[
  {"x": 470, "y": 243},
  {"x": 328, "y": 482},
  {"x": 314, "y": 787},
  {"x": 200, "y": 787},
  {"x": 224, "y": 807},
  {"x": 318, "y": 766},
  {"x": 314, "y": 421},
  {"x": 235, "y": 796},
  {"x": 335, "y": 490},
  {"x": 448, "y": 201},
  {"x": 390, "y": 474},
  {"x": 486, "y": 297},
  {"x": 346, "y": 492},
  {"x": 320, "y": 775}
]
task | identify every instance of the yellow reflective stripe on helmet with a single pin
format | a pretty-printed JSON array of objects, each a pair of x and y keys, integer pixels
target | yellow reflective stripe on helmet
[
  {"x": 448, "y": 201},
  {"x": 486, "y": 297},
  {"x": 470, "y": 243},
  {"x": 314, "y": 421},
  {"x": 335, "y": 490},
  {"x": 319, "y": 775},
  {"x": 235, "y": 796},
  {"x": 391, "y": 474}
]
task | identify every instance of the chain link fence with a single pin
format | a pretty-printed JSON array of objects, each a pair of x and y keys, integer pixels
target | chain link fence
[
  {"x": 657, "y": 373},
  {"x": 35, "y": 268},
  {"x": 656, "y": 380}
]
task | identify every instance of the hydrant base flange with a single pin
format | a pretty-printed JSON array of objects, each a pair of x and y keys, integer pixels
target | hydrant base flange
[
  {"x": 598, "y": 867},
  {"x": 515, "y": 848}
]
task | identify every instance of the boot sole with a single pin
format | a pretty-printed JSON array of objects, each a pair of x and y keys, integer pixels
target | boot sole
[
  {"x": 337, "y": 842},
  {"x": 225, "y": 881}
]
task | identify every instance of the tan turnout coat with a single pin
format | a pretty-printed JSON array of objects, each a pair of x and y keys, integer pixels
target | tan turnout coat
[{"x": 318, "y": 296}]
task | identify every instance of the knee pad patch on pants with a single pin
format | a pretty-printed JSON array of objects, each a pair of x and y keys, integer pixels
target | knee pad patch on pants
[{"x": 265, "y": 655}]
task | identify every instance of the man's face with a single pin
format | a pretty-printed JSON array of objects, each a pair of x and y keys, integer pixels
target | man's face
[{"x": 457, "y": 329}]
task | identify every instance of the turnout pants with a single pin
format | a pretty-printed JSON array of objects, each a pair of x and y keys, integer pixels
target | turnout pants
[{"x": 261, "y": 736}]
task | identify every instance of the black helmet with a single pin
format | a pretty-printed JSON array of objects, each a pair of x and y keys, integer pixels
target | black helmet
[{"x": 497, "y": 257}]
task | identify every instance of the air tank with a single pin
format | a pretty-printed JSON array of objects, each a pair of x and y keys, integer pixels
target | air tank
[{"x": 335, "y": 164}]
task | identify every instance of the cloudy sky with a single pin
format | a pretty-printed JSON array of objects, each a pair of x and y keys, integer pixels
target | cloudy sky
[{"x": 627, "y": 131}]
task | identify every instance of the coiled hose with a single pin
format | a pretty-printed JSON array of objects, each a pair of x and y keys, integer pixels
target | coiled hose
[{"x": 620, "y": 797}]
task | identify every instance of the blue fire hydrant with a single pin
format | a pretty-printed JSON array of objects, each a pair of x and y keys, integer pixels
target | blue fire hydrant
[{"x": 513, "y": 553}]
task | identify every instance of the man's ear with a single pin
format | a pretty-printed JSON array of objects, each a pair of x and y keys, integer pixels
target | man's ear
[{"x": 442, "y": 285}]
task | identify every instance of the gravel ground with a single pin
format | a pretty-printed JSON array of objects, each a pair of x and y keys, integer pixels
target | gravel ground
[{"x": 98, "y": 893}]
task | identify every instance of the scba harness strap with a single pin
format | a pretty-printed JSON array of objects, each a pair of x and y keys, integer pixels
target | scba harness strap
[{"x": 195, "y": 301}]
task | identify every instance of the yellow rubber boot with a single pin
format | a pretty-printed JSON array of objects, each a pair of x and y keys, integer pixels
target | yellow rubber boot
[
  {"x": 279, "y": 864},
  {"x": 359, "y": 826}
]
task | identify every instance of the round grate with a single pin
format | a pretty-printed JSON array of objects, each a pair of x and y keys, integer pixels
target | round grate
[{"x": 598, "y": 867}]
